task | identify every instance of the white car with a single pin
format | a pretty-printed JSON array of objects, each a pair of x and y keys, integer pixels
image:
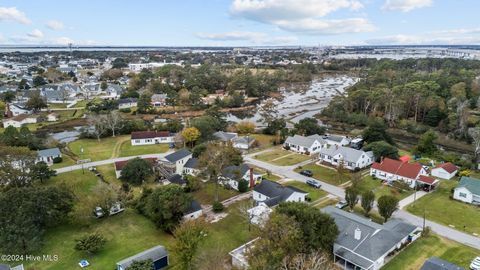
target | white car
[
  {"x": 475, "y": 265},
  {"x": 341, "y": 204}
]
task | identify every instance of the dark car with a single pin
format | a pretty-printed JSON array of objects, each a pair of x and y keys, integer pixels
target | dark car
[
  {"x": 313, "y": 183},
  {"x": 306, "y": 173}
]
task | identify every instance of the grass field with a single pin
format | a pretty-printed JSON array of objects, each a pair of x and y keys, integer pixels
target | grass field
[
  {"x": 206, "y": 194},
  {"x": 413, "y": 257},
  {"x": 368, "y": 183},
  {"x": 325, "y": 174},
  {"x": 66, "y": 161},
  {"x": 440, "y": 208},
  {"x": 98, "y": 150},
  {"x": 313, "y": 193},
  {"x": 126, "y": 149},
  {"x": 281, "y": 157}
]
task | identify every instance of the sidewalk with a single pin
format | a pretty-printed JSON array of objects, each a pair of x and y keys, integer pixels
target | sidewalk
[{"x": 410, "y": 199}]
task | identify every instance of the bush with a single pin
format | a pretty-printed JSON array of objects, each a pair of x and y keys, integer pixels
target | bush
[
  {"x": 217, "y": 207},
  {"x": 57, "y": 159},
  {"x": 125, "y": 110},
  {"x": 465, "y": 173},
  {"x": 242, "y": 185},
  {"x": 90, "y": 243},
  {"x": 286, "y": 147}
]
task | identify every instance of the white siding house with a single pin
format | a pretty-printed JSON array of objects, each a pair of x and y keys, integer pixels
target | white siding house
[
  {"x": 151, "y": 137},
  {"x": 445, "y": 171},
  {"x": 394, "y": 170},
  {"x": 179, "y": 158},
  {"x": 272, "y": 193},
  {"x": 468, "y": 190},
  {"x": 350, "y": 158},
  {"x": 20, "y": 120},
  {"x": 301, "y": 144}
]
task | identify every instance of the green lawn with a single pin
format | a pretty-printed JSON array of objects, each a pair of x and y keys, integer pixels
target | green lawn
[
  {"x": 325, "y": 174},
  {"x": 98, "y": 150},
  {"x": 326, "y": 203},
  {"x": 290, "y": 160},
  {"x": 414, "y": 255},
  {"x": 127, "y": 234},
  {"x": 264, "y": 141},
  {"x": 368, "y": 183},
  {"x": 440, "y": 208},
  {"x": 273, "y": 154},
  {"x": 126, "y": 149},
  {"x": 66, "y": 161},
  {"x": 206, "y": 194},
  {"x": 313, "y": 193},
  {"x": 80, "y": 182},
  {"x": 57, "y": 105},
  {"x": 282, "y": 157}
]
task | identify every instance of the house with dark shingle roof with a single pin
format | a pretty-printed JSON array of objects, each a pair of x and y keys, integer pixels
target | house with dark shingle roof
[
  {"x": 126, "y": 103},
  {"x": 157, "y": 254},
  {"x": 194, "y": 211},
  {"x": 191, "y": 167},
  {"x": 231, "y": 176},
  {"x": 272, "y": 193},
  {"x": 151, "y": 137},
  {"x": 363, "y": 244},
  {"x": 468, "y": 190},
  {"x": 47, "y": 155},
  {"x": 179, "y": 158},
  {"x": 392, "y": 170},
  {"x": 435, "y": 263},
  {"x": 445, "y": 170}
]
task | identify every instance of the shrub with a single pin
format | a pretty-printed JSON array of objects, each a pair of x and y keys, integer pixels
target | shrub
[
  {"x": 242, "y": 185},
  {"x": 57, "y": 159},
  {"x": 287, "y": 147},
  {"x": 465, "y": 173},
  {"x": 90, "y": 243},
  {"x": 125, "y": 110},
  {"x": 217, "y": 207}
]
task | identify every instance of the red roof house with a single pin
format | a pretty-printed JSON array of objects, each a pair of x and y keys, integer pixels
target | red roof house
[
  {"x": 393, "y": 170},
  {"x": 445, "y": 170}
]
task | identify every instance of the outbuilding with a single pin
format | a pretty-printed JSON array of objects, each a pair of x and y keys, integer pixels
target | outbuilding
[
  {"x": 445, "y": 170},
  {"x": 158, "y": 255}
]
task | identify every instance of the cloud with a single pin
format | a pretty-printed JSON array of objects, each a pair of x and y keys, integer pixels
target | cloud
[
  {"x": 444, "y": 37},
  {"x": 61, "y": 41},
  {"x": 14, "y": 15},
  {"x": 36, "y": 34},
  {"x": 54, "y": 25},
  {"x": 302, "y": 16},
  {"x": 406, "y": 5},
  {"x": 254, "y": 37}
]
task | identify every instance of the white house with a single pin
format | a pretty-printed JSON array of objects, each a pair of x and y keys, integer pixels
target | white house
[
  {"x": 243, "y": 143},
  {"x": 225, "y": 136},
  {"x": 151, "y": 137},
  {"x": 127, "y": 103},
  {"x": 232, "y": 174},
  {"x": 468, "y": 190},
  {"x": 339, "y": 140},
  {"x": 48, "y": 155},
  {"x": 17, "y": 109},
  {"x": 272, "y": 193},
  {"x": 350, "y": 158},
  {"x": 301, "y": 144},
  {"x": 191, "y": 167},
  {"x": 159, "y": 100},
  {"x": 194, "y": 211},
  {"x": 179, "y": 158},
  {"x": 52, "y": 117},
  {"x": 19, "y": 120},
  {"x": 395, "y": 170},
  {"x": 445, "y": 171}
]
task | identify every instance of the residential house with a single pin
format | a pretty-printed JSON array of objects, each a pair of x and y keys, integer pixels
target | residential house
[
  {"x": 243, "y": 142},
  {"x": 127, "y": 103},
  {"x": 305, "y": 145},
  {"x": 395, "y": 170},
  {"x": 194, "y": 211},
  {"x": 16, "y": 109},
  {"x": 179, "y": 158},
  {"x": 272, "y": 193},
  {"x": 7, "y": 267},
  {"x": 435, "y": 263},
  {"x": 48, "y": 155},
  {"x": 445, "y": 170},
  {"x": 158, "y": 100},
  {"x": 231, "y": 176},
  {"x": 151, "y": 137},
  {"x": 52, "y": 117},
  {"x": 119, "y": 165},
  {"x": 157, "y": 254},
  {"x": 225, "y": 136},
  {"x": 176, "y": 179},
  {"x": 468, "y": 190},
  {"x": 19, "y": 120},
  {"x": 349, "y": 158},
  {"x": 362, "y": 244},
  {"x": 339, "y": 140},
  {"x": 191, "y": 167}
]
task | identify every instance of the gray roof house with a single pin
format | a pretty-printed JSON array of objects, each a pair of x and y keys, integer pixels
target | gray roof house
[
  {"x": 232, "y": 174},
  {"x": 47, "y": 155},
  {"x": 364, "y": 244},
  {"x": 272, "y": 193},
  {"x": 349, "y": 157},
  {"x": 178, "y": 155},
  {"x": 468, "y": 190},
  {"x": 225, "y": 136},
  {"x": 157, "y": 254},
  {"x": 435, "y": 263},
  {"x": 302, "y": 144},
  {"x": 7, "y": 267}
]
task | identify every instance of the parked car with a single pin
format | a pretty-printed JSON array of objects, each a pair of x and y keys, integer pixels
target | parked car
[
  {"x": 341, "y": 204},
  {"x": 313, "y": 183},
  {"x": 98, "y": 212},
  {"x": 307, "y": 173},
  {"x": 475, "y": 265}
]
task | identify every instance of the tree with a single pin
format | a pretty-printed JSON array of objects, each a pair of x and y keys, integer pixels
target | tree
[
  {"x": 41, "y": 172},
  {"x": 144, "y": 103},
  {"x": 114, "y": 121},
  {"x": 165, "y": 206},
  {"x": 351, "y": 196},
  {"x": 10, "y": 136},
  {"x": 97, "y": 124},
  {"x": 245, "y": 127},
  {"x": 387, "y": 204},
  {"x": 104, "y": 86},
  {"x": 27, "y": 212},
  {"x": 312, "y": 261},
  {"x": 368, "y": 198},
  {"x": 136, "y": 171},
  {"x": 319, "y": 229},
  {"x": 191, "y": 135},
  {"x": 7, "y": 96},
  {"x": 382, "y": 149},
  {"x": 281, "y": 237},
  {"x": 426, "y": 144},
  {"x": 475, "y": 135},
  {"x": 242, "y": 185},
  {"x": 91, "y": 243},
  {"x": 36, "y": 102},
  {"x": 39, "y": 81},
  {"x": 188, "y": 237},
  {"x": 119, "y": 63},
  {"x": 15, "y": 164},
  {"x": 309, "y": 126},
  {"x": 376, "y": 131},
  {"x": 141, "y": 265}
]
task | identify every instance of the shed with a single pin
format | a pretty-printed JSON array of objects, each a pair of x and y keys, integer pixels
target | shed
[{"x": 157, "y": 254}]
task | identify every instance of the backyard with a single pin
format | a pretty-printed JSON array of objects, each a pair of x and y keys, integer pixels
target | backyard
[
  {"x": 368, "y": 183},
  {"x": 313, "y": 193},
  {"x": 413, "y": 256},
  {"x": 126, "y": 149},
  {"x": 281, "y": 157},
  {"x": 440, "y": 208},
  {"x": 206, "y": 194},
  {"x": 325, "y": 174}
]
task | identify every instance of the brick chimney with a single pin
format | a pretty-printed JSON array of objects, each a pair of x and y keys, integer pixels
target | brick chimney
[{"x": 252, "y": 181}]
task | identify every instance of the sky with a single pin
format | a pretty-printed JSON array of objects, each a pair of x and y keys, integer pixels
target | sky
[{"x": 239, "y": 22}]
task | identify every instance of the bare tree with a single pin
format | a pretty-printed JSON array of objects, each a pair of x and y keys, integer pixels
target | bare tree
[
  {"x": 475, "y": 134},
  {"x": 312, "y": 261},
  {"x": 114, "y": 121},
  {"x": 97, "y": 124}
]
